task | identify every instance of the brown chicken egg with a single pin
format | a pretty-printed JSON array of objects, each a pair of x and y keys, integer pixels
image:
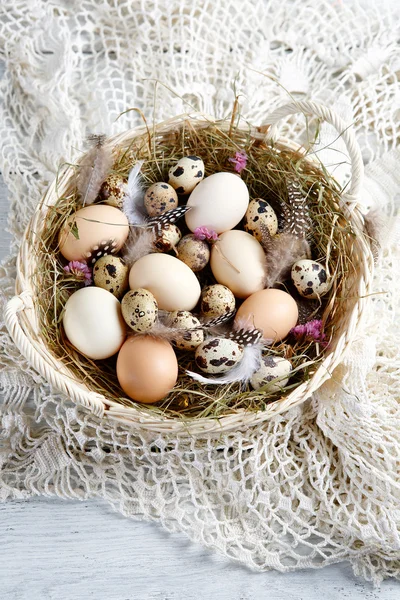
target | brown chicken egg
[
  {"x": 147, "y": 368},
  {"x": 90, "y": 226}
]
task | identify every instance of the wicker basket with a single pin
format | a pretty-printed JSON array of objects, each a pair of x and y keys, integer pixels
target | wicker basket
[{"x": 23, "y": 326}]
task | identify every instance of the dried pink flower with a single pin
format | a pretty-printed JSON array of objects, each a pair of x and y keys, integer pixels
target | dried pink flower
[
  {"x": 203, "y": 233},
  {"x": 80, "y": 270},
  {"x": 239, "y": 161},
  {"x": 311, "y": 330}
]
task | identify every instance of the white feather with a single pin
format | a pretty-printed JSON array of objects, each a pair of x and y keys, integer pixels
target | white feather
[
  {"x": 242, "y": 372},
  {"x": 133, "y": 204}
]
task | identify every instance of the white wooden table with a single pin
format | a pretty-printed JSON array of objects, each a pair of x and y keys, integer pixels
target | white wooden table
[{"x": 54, "y": 549}]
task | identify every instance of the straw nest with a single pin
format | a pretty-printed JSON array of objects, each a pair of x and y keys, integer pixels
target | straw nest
[{"x": 268, "y": 169}]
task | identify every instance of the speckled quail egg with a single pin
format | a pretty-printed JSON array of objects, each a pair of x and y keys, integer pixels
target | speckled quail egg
[
  {"x": 193, "y": 252},
  {"x": 217, "y": 300},
  {"x": 169, "y": 238},
  {"x": 159, "y": 198},
  {"x": 113, "y": 190},
  {"x": 310, "y": 278},
  {"x": 260, "y": 213},
  {"x": 272, "y": 369},
  {"x": 218, "y": 355},
  {"x": 139, "y": 309},
  {"x": 112, "y": 274},
  {"x": 186, "y": 174},
  {"x": 192, "y": 335}
]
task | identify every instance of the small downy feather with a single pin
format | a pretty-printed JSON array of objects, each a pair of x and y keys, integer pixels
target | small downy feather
[
  {"x": 94, "y": 169},
  {"x": 241, "y": 373},
  {"x": 140, "y": 242},
  {"x": 133, "y": 203},
  {"x": 281, "y": 251}
]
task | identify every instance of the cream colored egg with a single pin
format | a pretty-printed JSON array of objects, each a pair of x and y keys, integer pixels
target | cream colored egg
[
  {"x": 88, "y": 227},
  {"x": 191, "y": 334},
  {"x": 218, "y": 355},
  {"x": 93, "y": 322},
  {"x": 186, "y": 174},
  {"x": 113, "y": 190},
  {"x": 112, "y": 274},
  {"x": 238, "y": 262},
  {"x": 310, "y": 279},
  {"x": 219, "y": 202},
  {"x": 273, "y": 372},
  {"x": 139, "y": 309},
  {"x": 193, "y": 252},
  {"x": 169, "y": 237},
  {"x": 159, "y": 198},
  {"x": 217, "y": 300},
  {"x": 173, "y": 284},
  {"x": 260, "y": 213}
]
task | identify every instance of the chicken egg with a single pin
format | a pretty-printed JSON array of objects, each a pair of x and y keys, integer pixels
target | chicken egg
[
  {"x": 172, "y": 283},
  {"x": 219, "y": 202},
  {"x": 88, "y": 227},
  {"x": 93, "y": 322},
  {"x": 147, "y": 368},
  {"x": 238, "y": 262},
  {"x": 273, "y": 311}
]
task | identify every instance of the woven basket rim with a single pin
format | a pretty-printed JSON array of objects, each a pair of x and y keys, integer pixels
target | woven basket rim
[{"x": 22, "y": 322}]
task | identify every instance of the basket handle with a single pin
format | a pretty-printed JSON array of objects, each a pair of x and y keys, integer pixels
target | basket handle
[
  {"x": 346, "y": 133},
  {"x": 42, "y": 361}
]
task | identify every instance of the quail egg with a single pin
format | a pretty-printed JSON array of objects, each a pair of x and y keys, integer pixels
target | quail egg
[
  {"x": 217, "y": 300},
  {"x": 310, "y": 278},
  {"x": 260, "y": 213},
  {"x": 169, "y": 238},
  {"x": 159, "y": 198},
  {"x": 139, "y": 309},
  {"x": 192, "y": 335},
  {"x": 272, "y": 369},
  {"x": 193, "y": 252},
  {"x": 113, "y": 190},
  {"x": 218, "y": 355},
  {"x": 112, "y": 274},
  {"x": 186, "y": 174}
]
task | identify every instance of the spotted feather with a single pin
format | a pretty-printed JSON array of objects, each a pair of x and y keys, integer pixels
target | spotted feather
[
  {"x": 101, "y": 249},
  {"x": 246, "y": 337},
  {"x": 219, "y": 320},
  {"x": 169, "y": 217}
]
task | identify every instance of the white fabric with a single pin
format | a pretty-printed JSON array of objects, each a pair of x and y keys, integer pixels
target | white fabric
[{"x": 319, "y": 484}]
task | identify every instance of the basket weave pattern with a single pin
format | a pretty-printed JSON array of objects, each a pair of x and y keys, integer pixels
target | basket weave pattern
[{"x": 23, "y": 325}]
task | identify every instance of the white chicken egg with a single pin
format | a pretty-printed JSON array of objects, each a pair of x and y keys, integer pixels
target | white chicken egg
[
  {"x": 93, "y": 322},
  {"x": 219, "y": 202}
]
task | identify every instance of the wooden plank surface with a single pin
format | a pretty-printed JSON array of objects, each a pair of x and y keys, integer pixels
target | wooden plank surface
[{"x": 53, "y": 549}]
